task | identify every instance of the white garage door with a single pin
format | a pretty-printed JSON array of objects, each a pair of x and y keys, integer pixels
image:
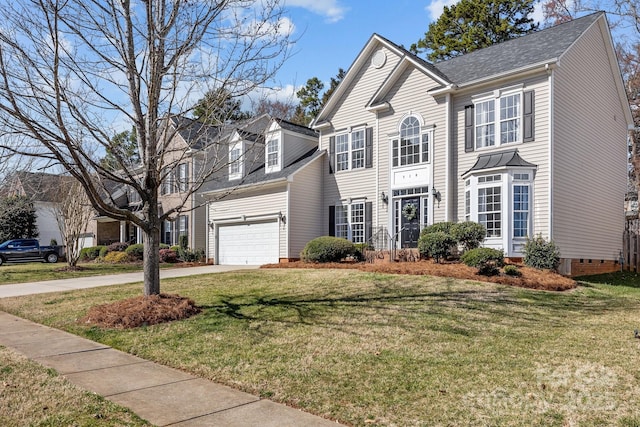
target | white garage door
[{"x": 248, "y": 244}]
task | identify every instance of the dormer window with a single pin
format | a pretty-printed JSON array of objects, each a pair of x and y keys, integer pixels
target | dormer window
[
  {"x": 235, "y": 162},
  {"x": 273, "y": 155}
]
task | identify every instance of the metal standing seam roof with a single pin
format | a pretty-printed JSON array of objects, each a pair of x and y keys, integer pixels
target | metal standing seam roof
[{"x": 509, "y": 158}]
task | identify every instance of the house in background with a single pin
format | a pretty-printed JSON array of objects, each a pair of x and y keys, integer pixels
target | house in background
[
  {"x": 526, "y": 137},
  {"x": 268, "y": 204},
  {"x": 45, "y": 191}
]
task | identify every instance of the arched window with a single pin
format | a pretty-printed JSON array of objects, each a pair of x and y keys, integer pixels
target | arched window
[{"x": 413, "y": 146}]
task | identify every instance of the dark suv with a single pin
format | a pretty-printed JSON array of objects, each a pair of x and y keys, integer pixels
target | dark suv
[{"x": 23, "y": 250}]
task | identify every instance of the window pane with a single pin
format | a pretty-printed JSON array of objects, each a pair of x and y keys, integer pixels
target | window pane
[
  {"x": 489, "y": 209},
  {"x": 520, "y": 210},
  {"x": 425, "y": 147},
  {"x": 357, "y": 223},
  {"x": 510, "y": 119},
  {"x": 272, "y": 152},
  {"x": 342, "y": 152},
  {"x": 409, "y": 141},
  {"x": 342, "y": 225},
  {"x": 357, "y": 147},
  {"x": 485, "y": 124}
]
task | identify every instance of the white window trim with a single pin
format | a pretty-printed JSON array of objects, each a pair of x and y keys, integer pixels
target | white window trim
[
  {"x": 424, "y": 130},
  {"x": 495, "y": 96},
  {"x": 278, "y": 152},
  {"x": 350, "y": 150},
  {"x": 239, "y": 162},
  {"x": 183, "y": 177}
]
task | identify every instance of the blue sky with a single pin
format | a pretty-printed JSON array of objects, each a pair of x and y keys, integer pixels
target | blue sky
[{"x": 331, "y": 33}]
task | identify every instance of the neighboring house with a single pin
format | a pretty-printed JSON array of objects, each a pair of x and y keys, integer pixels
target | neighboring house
[
  {"x": 268, "y": 204},
  {"x": 526, "y": 137},
  {"x": 46, "y": 192}
]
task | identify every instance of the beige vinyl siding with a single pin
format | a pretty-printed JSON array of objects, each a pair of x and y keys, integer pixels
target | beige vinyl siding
[
  {"x": 351, "y": 111},
  {"x": 589, "y": 177},
  {"x": 305, "y": 207},
  {"x": 536, "y": 152},
  {"x": 409, "y": 96},
  {"x": 295, "y": 146},
  {"x": 261, "y": 201}
]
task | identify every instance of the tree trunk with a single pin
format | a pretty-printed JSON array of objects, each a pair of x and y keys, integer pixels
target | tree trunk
[{"x": 151, "y": 261}]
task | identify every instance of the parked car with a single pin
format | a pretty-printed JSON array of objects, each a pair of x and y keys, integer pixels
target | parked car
[{"x": 23, "y": 250}]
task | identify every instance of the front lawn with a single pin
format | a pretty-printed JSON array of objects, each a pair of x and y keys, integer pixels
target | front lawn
[
  {"x": 40, "y": 271},
  {"x": 36, "y": 396},
  {"x": 379, "y": 349}
]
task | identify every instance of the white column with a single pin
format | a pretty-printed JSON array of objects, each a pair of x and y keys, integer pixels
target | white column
[{"x": 123, "y": 231}]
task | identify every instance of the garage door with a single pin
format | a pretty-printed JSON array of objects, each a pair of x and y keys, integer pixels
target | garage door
[{"x": 248, "y": 244}]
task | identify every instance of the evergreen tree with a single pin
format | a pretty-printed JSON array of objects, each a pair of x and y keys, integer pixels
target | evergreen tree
[
  {"x": 17, "y": 218},
  {"x": 122, "y": 150},
  {"x": 218, "y": 107},
  {"x": 473, "y": 24},
  {"x": 311, "y": 100}
]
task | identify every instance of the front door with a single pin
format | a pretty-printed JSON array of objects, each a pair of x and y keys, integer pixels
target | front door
[{"x": 409, "y": 222}]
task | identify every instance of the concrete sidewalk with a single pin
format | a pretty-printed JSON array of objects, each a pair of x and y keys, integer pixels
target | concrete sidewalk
[
  {"x": 161, "y": 395},
  {"x": 21, "y": 289}
]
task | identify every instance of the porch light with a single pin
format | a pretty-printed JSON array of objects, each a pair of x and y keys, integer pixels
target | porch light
[{"x": 384, "y": 198}]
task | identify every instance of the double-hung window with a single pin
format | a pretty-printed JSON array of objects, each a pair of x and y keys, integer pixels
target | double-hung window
[
  {"x": 350, "y": 222},
  {"x": 168, "y": 184},
  {"x": 498, "y": 118},
  {"x": 183, "y": 177},
  {"x": 490, "y": 204},
  {"x": 350, "y": 150},
  {"x": 521, "y": 204},
  {"x": 235, "y": 163},
  {"x": 273, "y": 155},
  {"x": 412, "y": 147}
]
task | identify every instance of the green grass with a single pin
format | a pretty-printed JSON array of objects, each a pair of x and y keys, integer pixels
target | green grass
[
  {"x": 376, "y": 349},
  {"x": 39, "y": 271},
  {"x": 31, "y": 395}
]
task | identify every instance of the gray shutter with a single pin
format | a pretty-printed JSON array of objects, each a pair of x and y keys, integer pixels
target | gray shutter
[
  {"x": 332, "y": 153},
  {"x": 368, "y": 148},
  {"x": 368, "y": 223},
  {"x": 529, "y": 110},
  {"x": 469, "y": 143},
  {"x": 332, "y": 220}
]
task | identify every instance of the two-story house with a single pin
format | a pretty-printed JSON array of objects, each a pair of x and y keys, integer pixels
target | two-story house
[
  {"x": 268, "y": 204},
  {"x": 526, "y": 137}
]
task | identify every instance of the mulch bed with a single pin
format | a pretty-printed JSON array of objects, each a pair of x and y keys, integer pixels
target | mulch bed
[
  {"x": 531, "y": 278},
  {"x": 141, "y": 311}
]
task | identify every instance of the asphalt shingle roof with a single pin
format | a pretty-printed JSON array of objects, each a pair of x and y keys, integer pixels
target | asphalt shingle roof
[
  {"x": 259, "y": 174},
  {"x": 534, "y": 48}
]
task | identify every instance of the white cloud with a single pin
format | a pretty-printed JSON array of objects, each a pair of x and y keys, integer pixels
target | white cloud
[
  {"x": 436, "y": 7},
  {"x": 538, "y": 14},
  {"x": 330, "y": 9}
]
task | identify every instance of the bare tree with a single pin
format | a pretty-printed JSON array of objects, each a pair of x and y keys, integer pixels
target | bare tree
[
  {"x": 72, "y": 70},
  {"x": 73, "y": 214}
]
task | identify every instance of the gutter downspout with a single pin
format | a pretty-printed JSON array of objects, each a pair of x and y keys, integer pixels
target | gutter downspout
[{"x": 377, "y": 196}]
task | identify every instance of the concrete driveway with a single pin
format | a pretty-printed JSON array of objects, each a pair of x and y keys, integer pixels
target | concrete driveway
[{"x": 20, "y": 289}]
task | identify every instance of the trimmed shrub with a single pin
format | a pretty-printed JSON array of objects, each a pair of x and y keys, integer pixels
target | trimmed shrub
[
  {"x": 327, "y": 249},
  {"x": 512, "y": 270},
  {"x": 103, "y": 251},
  {"x": 136, "y": 251},
  {"x": 164, "y": 246},
  {"x": 117, "y": 247},
  {"x": 175, "y": 248},
  {"x": 116, "y": 257},
  {"x": 90, "y": 253},
  {"x": 168, "y": 255},
  {"x": 486, "y": 260},
  {"x": 469, "y": 234},
  {"x": 541, "y": 254},
  {"x": 444, "y": 227},
  {"x": 436, "y": 245},
  {"x": 187, "y": 255}
]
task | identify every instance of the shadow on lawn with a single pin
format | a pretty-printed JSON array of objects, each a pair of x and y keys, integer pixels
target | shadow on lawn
[{"x": 413, "y": 306}]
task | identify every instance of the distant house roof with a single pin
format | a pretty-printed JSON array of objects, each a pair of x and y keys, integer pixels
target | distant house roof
[
  {"x": 509, "y": 158},
  {"x": 534, "y": 48},
  {"x": 294, "y": 127},
  {"x": 37, "y": 186},
  {"x": 259, "y": 175}
]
